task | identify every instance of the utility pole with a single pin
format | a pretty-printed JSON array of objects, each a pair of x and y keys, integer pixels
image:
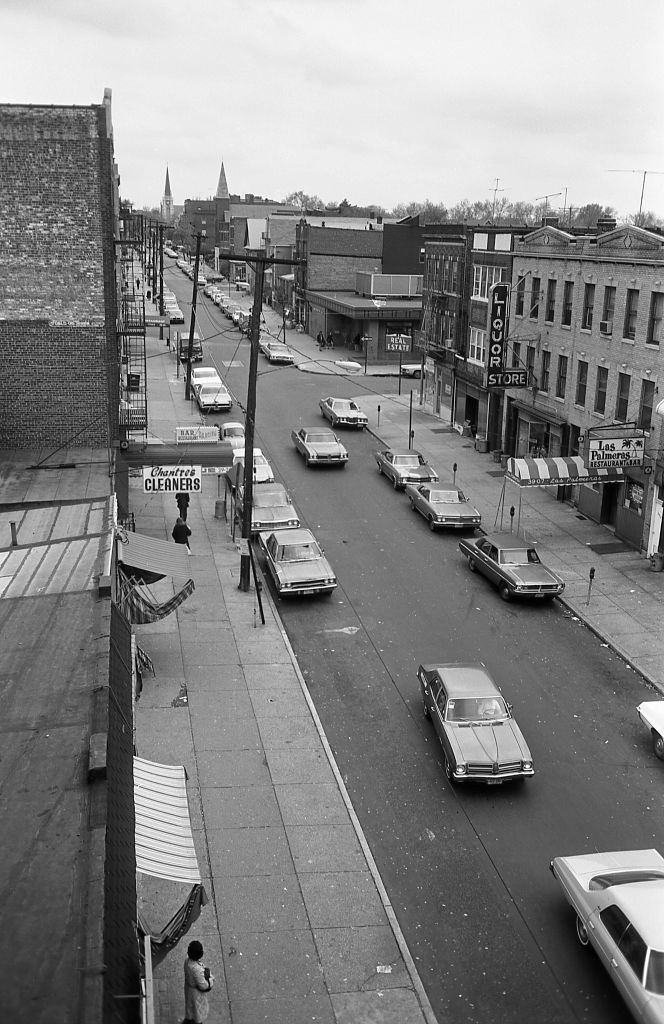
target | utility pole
[
  {"x": 161, "y": 270},
  {"x": 249, "y": 425},
  {"x": 192, "y": 322}
]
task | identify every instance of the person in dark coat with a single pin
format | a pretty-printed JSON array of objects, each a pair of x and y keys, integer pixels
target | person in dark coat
[
  {"x": 330, "y": 340},
  {"x": 320, "y": 338},
  {"x": 181, "y": 533},
  {"x": 182, "y": 499}
]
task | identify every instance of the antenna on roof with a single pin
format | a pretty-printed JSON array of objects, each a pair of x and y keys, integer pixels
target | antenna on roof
[{"x": 631, "y": 170}]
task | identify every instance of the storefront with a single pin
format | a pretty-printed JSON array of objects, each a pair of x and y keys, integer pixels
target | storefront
[{"x": 532, "y": 432}]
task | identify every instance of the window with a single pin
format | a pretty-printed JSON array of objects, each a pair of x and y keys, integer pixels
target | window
[
  {"x": 644, "y": 421},
  {"x": 530, "y": 363},
  {"x": 561, "y": 379},
  {"x": 546, "y": 371},
  {"x": 483, "y": 278},
  {"x": 516, "y": 353},
  {"x": 502, "y": 243},
  {"x": 550, "y": 301},
  {"x": 655, "y": 319},
  {"x": 581, "y": 382},
  {"x": 622, "y": 396},
  {"x": 600, "y": 388},
  {"x": 477, "y": 346},
  {"x": 588, "y": 305},
  {"x": 568, "y": 300},
  {"x": 422, "y": 255},
  {"x": 608, "y": 310},
  {"x": 631, "y": 310},
  {"x": 520, "y": 292},
  {"x": 626, "y": 937},
  {"x": 480, "y": 240},
  {"x": 535, "y": 299}
]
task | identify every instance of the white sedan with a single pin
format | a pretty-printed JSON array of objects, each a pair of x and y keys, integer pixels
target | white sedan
[
  {"x": 651, "y": 713},
  {"x": 343, "y": 412},
  {"x": 262, "y": 469}
]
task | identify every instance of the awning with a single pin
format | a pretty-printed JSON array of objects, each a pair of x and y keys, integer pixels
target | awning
[
  {"x": 164, "y": 841},
  {"x": 570, "y": 470},
  {"x": 150, "y": 559},
  {"x": 139, "y": 608}
]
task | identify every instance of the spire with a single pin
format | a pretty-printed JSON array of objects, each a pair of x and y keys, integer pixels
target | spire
[
  {"x": 222, "y": 187},
  {"x": 167, "y": 186}
]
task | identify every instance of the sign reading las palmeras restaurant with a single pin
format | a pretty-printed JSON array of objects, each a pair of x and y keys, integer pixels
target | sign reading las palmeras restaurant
[
  {"x": 161, "y": 479},
  {"x": 615, "y": 452}
]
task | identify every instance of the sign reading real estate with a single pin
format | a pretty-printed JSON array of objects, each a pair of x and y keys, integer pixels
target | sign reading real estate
[
  {"x": 397, "y": 342},
  {"x": 158, "y": 479},
  {"x": 196, "y": 433},
  {"x": 614, "y": 452}
]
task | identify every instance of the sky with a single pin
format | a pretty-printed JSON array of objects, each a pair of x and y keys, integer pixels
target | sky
[{"x": 375, "y": 101}]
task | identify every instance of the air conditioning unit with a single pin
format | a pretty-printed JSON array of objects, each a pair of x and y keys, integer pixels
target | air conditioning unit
[{"x": 606, "y": 327}]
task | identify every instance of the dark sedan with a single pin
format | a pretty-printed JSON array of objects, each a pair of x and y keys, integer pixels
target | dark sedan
[{"x": 513, "y": 565}]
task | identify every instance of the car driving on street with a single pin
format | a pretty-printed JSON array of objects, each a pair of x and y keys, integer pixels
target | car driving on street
[
  {"x": 277, "y": 352},
  {"x": 443, "y": 506},
  {"x": 618, "y": 899},
  {"x": 480, "y": 739},
  {"x": 296, "y": 563},
  {"x": 404, "y": 466},
  {"x": 319, "y": 446},
  {"x": 343, "y": 412},
  {"x": 513, "y": 565}
]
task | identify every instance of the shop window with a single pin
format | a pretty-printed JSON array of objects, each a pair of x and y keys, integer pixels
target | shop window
[
  {"x": 655, "y": 319},
  {"x": 568, "y": 301},
  {"x": 600, "y": 389},
  {"x": 546, "y": 371},
  {"x": 561, "y": 378},
  {"x": 581, "y": 382},
  {"x": 520, "y": 294},
  {"x": 535, "y": 298},
  {"x": 631, "y": 312},
  {"x": 646, "y": 402},
  {"x": 633, "y": 497},
  {"x": 622, "y": 396},
  {"x": 550, "y": 300},
  {"x": 588, "y": 306}
]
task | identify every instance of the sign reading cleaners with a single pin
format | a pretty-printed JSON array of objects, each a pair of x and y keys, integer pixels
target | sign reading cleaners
[
  {"x": 159, "y": 479},
  {"x": 498, "y": 376}
]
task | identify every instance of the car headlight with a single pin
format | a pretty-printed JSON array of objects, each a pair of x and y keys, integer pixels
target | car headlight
[
  {"x": 460, "y": 769},
  {"x": 292, "y": 522},
  {"x": 527, "y": 765}
]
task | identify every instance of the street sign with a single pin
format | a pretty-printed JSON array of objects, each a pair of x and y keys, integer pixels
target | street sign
[{"x": 513, "y": 378}]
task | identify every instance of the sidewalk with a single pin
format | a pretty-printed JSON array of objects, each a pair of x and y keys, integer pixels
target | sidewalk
[{"x": 298, "y": 927}]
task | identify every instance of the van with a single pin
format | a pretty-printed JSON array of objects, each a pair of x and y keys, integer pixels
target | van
[{"x": 183, "y": 347}]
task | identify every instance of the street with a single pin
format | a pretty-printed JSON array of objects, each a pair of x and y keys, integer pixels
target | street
[{"x": 466, "y": 868}]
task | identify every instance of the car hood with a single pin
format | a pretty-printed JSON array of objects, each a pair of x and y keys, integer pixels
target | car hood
[
  {"x": 533, "y": 575},
  {"x": 457, "y": 509},
  {"x": 324, "y": 447},
  {"x": 491, "y": 743},
  {"x": 422, "y": 473},
  {"x": 271, "y": 517},
  {"x": 301, "y": 572}
]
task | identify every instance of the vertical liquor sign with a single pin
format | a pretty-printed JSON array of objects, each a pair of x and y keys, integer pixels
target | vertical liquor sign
[{"x": 498, "y": 375}]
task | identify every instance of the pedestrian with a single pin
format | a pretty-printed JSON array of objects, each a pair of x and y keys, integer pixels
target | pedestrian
[
  {"x": 197, "y": 983},
  {"x": 181, "y": 533},
  {"x": 330, "y": 340},
  {"x": 182, "y": 499},
  {"x": 320, "y": 338}
]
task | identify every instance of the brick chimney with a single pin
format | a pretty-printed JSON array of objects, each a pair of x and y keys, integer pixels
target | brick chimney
[
  {"x": 605, "y": 224},
  {"x": 550, "y": 222}
]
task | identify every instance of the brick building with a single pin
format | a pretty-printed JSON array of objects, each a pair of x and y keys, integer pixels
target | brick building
[
  {"x": 58, "y": 294},
  {"x": 587, "y": 314}
]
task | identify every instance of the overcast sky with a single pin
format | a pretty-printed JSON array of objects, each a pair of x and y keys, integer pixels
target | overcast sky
[{"x": 376, "y": 101}]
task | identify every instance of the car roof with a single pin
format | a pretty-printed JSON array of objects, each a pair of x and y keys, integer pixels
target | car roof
[
  {"x": 464, "y": 680},
  {"x": 509, "y": 541},
  {"x": 402, "y": 451},
  {"x": 296, "y": 536},
  {"x": 643, "y": 904}
]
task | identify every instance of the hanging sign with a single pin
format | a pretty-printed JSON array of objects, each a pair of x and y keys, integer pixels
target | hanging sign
[{"x": 160, "y": 479}]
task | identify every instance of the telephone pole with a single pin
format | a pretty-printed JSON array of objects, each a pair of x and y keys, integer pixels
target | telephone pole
[
  {"x": 192, "y": 322},
  {"x": 249, "y": 426}
]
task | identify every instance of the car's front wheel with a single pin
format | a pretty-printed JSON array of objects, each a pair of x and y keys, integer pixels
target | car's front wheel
[
  {"x": 658, "y": 744},
  {"x": 471, "y": 564},
  {"x": 395, "y": 483},
  {"x": 425, "y": 708},
  {"x": 505, "y": 592},
  {"x": 380, "y": 469},
  {"x": 432, "y": 524},
  {"x": 582, "y": 932},
  {"x": 448, "y": 771}
]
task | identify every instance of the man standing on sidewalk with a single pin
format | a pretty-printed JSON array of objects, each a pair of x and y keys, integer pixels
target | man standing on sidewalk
[{"x": 182, "y": 499}]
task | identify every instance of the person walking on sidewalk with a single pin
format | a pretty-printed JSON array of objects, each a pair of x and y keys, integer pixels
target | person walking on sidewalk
[
  {"x": 182, "y": 499},
  {"x": 197, "y": 983},
  {"x": 181, "y": 533}
]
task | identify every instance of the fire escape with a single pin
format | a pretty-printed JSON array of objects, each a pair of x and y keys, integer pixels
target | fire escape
[{"x": 133, "y": 416}]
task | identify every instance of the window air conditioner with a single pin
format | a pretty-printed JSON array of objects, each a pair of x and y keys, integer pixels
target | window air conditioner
[{"x": 606, "y": 327}]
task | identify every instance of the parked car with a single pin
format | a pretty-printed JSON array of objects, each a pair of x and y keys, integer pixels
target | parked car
[
  {"x": 403, "y": 466},
  {"x": 443, "y": 506},
  {"x": 480, "y": 739},
  {"x": 319, "y": 446},
  {"x": 213, "y": 397},
  {"x": 182, "y": 341},
  {"x": 262, "y": 469},
  {"x": 174, "y": 314},
  {"x": 271, "y": 507},
  {"x": 205, "y": 375},
  {"x": 277, "y": 352},
  {"x": 343, "y": 412},
  {"x": 513, "y": 565},
  {"x": 411, "y": 370},
  {"x": 234, "y": 434},
  {"x": 296, "y": 563},
  {"x": 651, "y": 713},
  {"x": 618, "y": 899}
]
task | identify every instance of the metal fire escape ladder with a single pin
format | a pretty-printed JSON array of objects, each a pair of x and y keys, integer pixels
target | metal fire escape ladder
[{"x": 133, "y": 416}]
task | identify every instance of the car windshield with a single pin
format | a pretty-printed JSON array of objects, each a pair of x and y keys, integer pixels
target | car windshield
[
  {"x": 518, "y": 556},
  {"x": 320, "y": 436},
  {"x": 263, "y": 499},
  {"x": 655, "y": 972},
  {"x": 307, "y": 551},
  {"x": 233, "y": 431},
  {"x": 475, "y": 709},
  {"x": 408, "y": 460},
  {"x": 446, "y": 497}
]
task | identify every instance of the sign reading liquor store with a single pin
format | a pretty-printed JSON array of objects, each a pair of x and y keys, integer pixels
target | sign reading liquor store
[{"x": 159, "y": 479}]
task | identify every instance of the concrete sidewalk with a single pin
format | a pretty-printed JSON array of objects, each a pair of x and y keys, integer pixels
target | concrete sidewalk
[{"x": 298, "y": 927}]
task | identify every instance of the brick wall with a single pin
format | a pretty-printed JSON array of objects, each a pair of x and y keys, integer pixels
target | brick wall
[{"x": 58, "y": 346}]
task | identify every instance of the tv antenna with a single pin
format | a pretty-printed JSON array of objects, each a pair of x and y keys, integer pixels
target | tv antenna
[
  {"x": 546, "y": 200},
  {"x": 495, "y": 190},
  {"x": 631, "y": 170}
]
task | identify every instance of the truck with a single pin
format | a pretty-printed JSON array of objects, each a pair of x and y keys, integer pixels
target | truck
[{"x": 183, "y": 347}]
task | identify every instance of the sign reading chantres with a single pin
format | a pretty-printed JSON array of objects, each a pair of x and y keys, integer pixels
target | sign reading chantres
[
  {"x": 157, "y": 479},
  {"x": 498, "y": 375}
]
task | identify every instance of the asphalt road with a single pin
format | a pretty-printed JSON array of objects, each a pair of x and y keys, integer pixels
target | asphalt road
[{"x": 466, "y": 867}]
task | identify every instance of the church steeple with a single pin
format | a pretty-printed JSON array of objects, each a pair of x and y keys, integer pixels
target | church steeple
[
  {"x": 167, "y": 201},
  {"x": 222, "y": 187},
  {"x": 167, "y": 186}
]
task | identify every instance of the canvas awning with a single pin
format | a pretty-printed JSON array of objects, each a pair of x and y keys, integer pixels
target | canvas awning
[
  {"x": 569, "y": 470},
  {"x": 164, "y": 841},
  {"x": 150, "y": 559}
]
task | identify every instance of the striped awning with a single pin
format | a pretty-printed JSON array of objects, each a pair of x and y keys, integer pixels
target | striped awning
[
  {"x": 151, "y": 559},
  {"x": 164, "y": 841},
  {"x": 570, "y": 470}
]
